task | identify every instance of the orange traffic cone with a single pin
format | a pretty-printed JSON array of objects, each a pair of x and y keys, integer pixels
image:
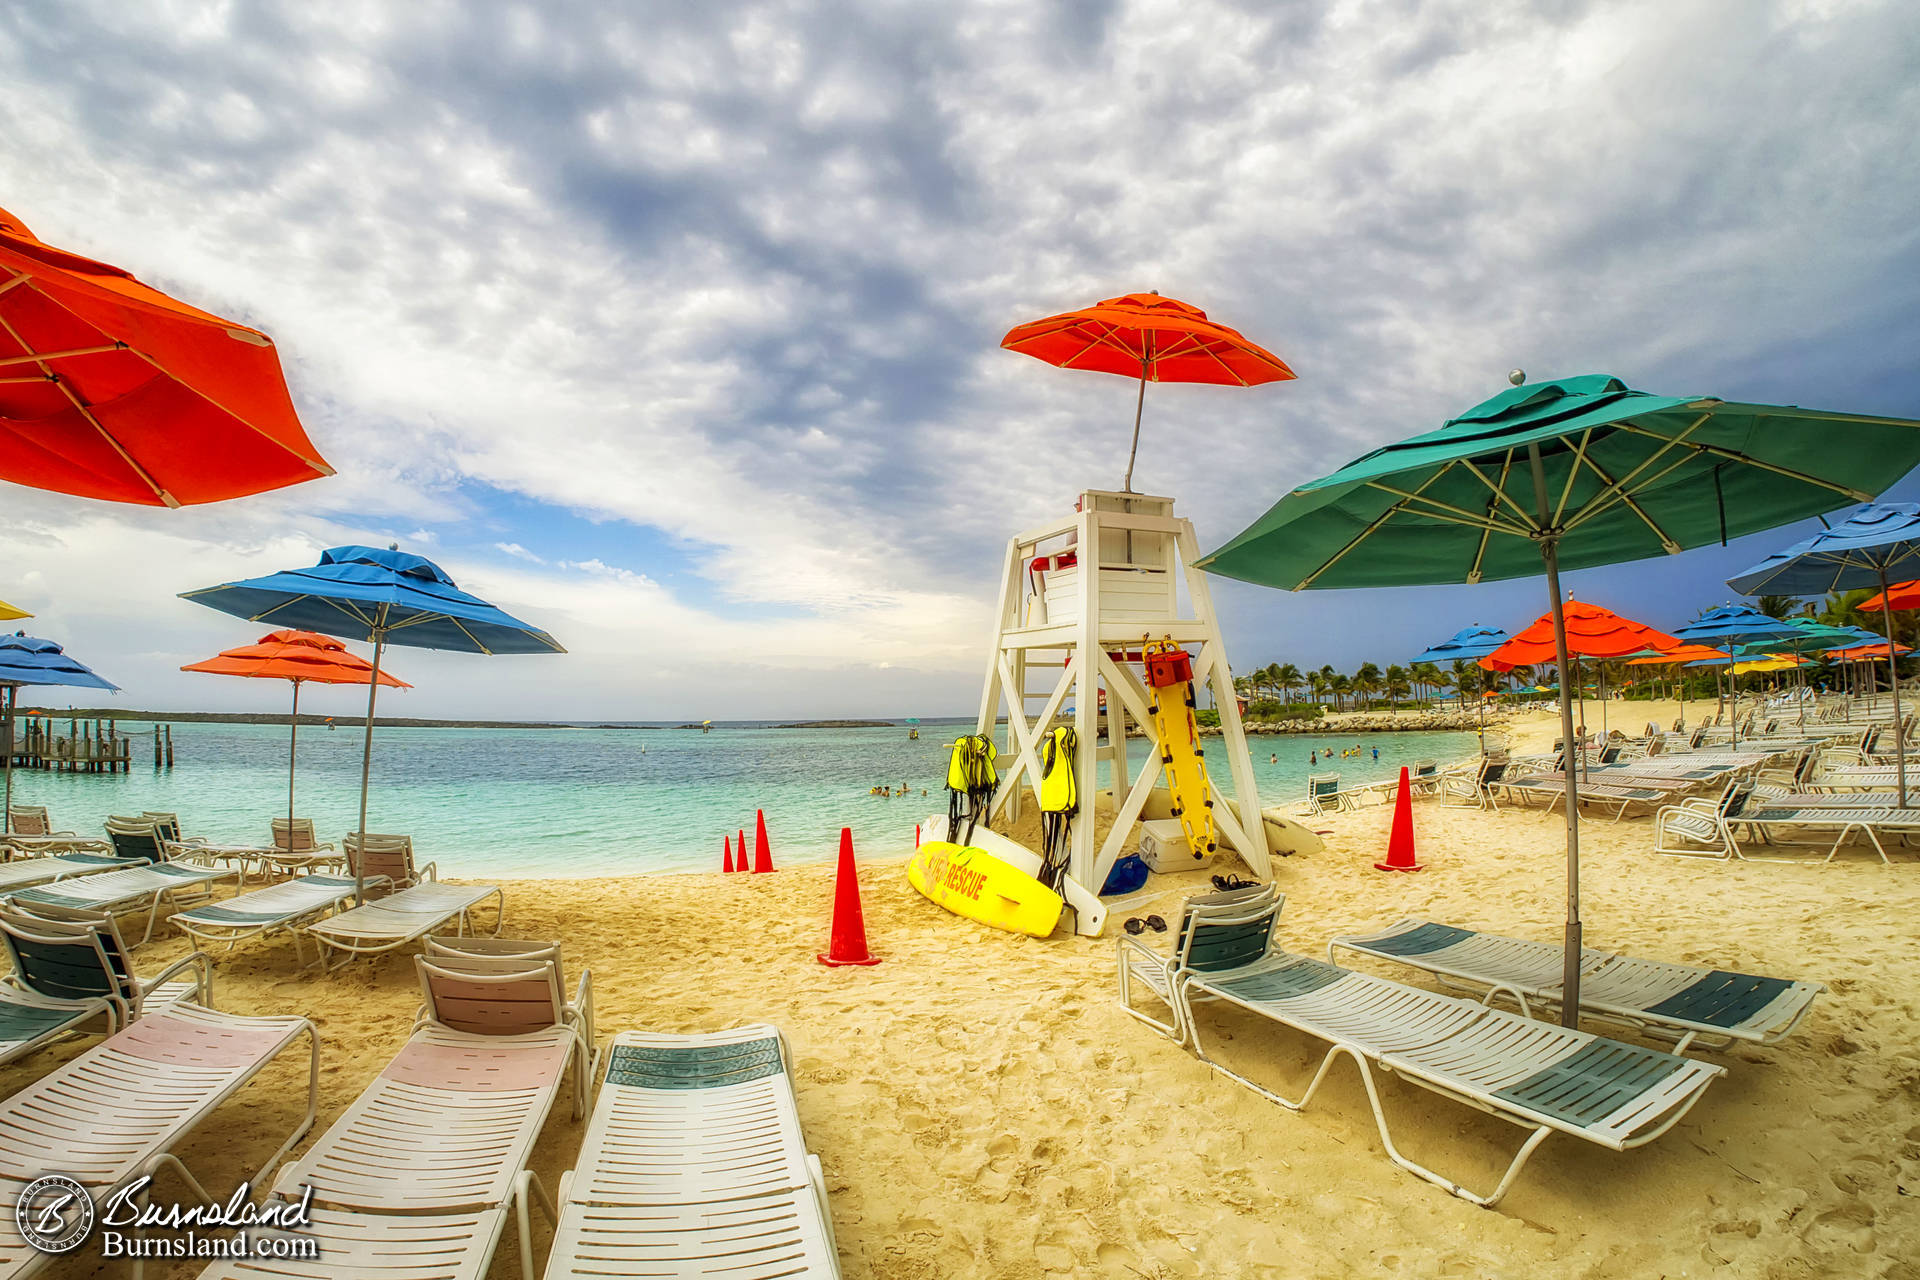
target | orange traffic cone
[
  {"x": 1400, "y": 843},
  {"x": 762, "y": 851},
  {"x": 741, "y": 863},
  {"x": 726, "y": 854},
  {"x": 847, "y": 944}
]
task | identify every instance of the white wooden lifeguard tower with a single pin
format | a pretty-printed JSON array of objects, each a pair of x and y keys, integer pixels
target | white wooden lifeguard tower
[{"x": 1076, "y": 628}]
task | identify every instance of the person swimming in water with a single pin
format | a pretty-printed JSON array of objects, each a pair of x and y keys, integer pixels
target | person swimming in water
[
  {"x": 1376, "y": 753},
  {"x": 1274, "y": 758},
  {"x": 1313, "y": 758}
]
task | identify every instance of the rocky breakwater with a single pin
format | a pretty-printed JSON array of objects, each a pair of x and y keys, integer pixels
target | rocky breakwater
[{"x": 1344, "y": 722}]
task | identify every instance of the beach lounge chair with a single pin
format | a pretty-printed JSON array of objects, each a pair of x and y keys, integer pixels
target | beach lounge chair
[
  {"x": 498, "y": 985},
  {"x": 280, "y": 908},
  {"x": 1424, "y": 777},
  {"x": 1551, "y": 790},
  {"x": 114, "y": 1113},
  {"x": 30, "y": 832},
  {"x": 1475, "y": 791},
  {"x": 1254, "y": 909},
  {"x": 79, "y": 955},
  {"x": 24, "y": 872},
  {"x": 1324, "y": 794},
  {"x": 405, "y": 917},
  {"x": 148, "y": 885},
  {"x": 1712, "y": 1008},
  {"x": 694, "y": 1164},
  {"x": 418, "y": 1176},
  {"x": 296, "y": 849},
  {"x": 135, "y": 838},
  {"x": 387, "y": 855},
  {"x": 1704, "y": 828},
  {"x": 1535, "y": 1075}
]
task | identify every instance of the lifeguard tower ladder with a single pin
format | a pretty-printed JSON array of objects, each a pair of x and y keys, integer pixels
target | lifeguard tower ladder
[{"x": 1127, "y": 554}]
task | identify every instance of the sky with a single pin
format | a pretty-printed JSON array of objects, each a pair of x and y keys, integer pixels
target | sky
[{"x": 674, "y": 329}]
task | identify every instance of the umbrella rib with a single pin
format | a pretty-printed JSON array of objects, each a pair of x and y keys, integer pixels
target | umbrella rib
[
  {"x": 1601, "y": 500},
  {"x": 1449, "y": 512},
  {"x": 1667, "y": 543},
  {"x": 1207, "y": 350},
  {"x": 32, "y": 356},
  {"x": 319, "y": 467},
  {"x": 1499, "y": 490},
  {"x": 1573, "y": 474},
  {"x": 1734, "y": 455},
  {"x": 469, "y": 635},
  {"x": 1486, "y": 534},
  {"x": 87, "y": 413}
]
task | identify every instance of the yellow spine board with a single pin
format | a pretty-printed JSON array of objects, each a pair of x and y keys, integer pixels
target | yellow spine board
[
  {"x": 1181, "y": 758},
  {"x": 973, "y": 883}
]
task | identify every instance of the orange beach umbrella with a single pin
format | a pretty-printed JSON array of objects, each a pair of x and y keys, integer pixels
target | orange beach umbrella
[
  {"x": 1592, "y": 632},
  {"x": 1901, "y": 595},
  {"x": 1685, "y": 653},
  {"x": 298, "y": 657},
  {"x": 111, "y": 389},
  {"x": 1864, "y": 651},
  {"x": 1154, "y": 339}
]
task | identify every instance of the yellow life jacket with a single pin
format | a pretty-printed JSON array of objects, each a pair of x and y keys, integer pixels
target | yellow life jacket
[
  {"x": 970, "y": 768},
  {"x": 1059, "y": 782}
]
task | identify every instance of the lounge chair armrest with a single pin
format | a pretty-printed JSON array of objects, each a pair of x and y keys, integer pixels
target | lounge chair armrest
[
  {"x": 583, "y": 1005},
  {"x": 197, "y": 961},
  {"x": 1130, "y": 943},
  {"x": 429, "y": 872}
]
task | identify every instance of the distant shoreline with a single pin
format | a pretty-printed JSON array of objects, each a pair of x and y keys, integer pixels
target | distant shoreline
[{"x": 127, "y": 715}]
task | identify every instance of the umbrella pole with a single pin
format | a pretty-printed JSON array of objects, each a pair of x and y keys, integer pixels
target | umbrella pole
[
  {"x": 1126, "y": 486},
  {"x": 1893, "y": 679},
  {"x": 293, "y": 751},
  {"x": 366, "y": 760},
  {"x": 1550, "y": 556},
  {"x": 6, "y": 810}
]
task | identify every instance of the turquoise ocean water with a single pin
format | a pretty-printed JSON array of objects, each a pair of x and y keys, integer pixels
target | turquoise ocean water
[{"x": 586, "y": 802}]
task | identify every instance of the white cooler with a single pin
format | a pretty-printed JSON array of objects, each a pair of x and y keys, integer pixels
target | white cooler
[{"x": 1163, "y": 847}]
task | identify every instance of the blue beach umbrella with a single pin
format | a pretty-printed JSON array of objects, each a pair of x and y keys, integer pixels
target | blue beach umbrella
[
  {"x": 383, "y": 597},
  {"x": 1875, "y": 546},
  {"x": 1724, "y": 626},
  {"x": 29, "y": 660},
  {"x": 1466, "y": 644}
]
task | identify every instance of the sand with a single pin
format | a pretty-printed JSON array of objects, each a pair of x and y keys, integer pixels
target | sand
[{"x": 982, "y": 1108}]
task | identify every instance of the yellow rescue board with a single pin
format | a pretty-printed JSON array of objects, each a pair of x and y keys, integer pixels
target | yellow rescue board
[
  {"x": 973, "y": 883},
  {"x": 1183, "y": 762}
]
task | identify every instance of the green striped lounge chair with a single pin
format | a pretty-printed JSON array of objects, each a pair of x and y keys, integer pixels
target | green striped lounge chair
[
  {"x": 1324, "y": 794},
  {"x": 1235, "y": 918},
  {"x": 1552, "y": 791},
  {"x": 114, "y": 1114},
  {"x": 419, "y": 1177},
  {"x": 1712, "y": 1008},
  {"x": 694, "y": 1164},
  {"x": 1475, "y": 790},
  {"x": 128, "y": 889},
  {"x": 78, "y": 957},
  {"x": 1543, "y": 1078},
  {"x": 399, "y": 919},
  {"x": 1702, "y": 828},
  {"x": 280, "y": 908},
  {"x": 27, "y": 872},
  {"x": 135, "y": 838}
]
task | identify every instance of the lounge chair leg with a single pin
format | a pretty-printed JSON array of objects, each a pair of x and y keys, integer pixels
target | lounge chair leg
[{"x": 528, "y": 1187}]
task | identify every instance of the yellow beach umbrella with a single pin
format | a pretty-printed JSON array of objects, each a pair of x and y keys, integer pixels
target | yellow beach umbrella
[
  {"x": 1773, "y": 662},
  {"x": 8, "y": 613}
]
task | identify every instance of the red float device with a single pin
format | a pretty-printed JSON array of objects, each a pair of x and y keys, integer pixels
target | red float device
[
  {"x": 847, "y": 944},
  {"x": 1400, "y": 843}
]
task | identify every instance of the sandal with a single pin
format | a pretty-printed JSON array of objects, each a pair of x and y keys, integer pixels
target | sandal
[
  {"x": 1135, "y": 925},
  {"x": 1227, "y": 884},
  {"x": 1156, "y": 924}
]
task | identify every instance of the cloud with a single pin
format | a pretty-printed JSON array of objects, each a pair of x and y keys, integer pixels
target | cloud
[{"x": 735, "y": 275}]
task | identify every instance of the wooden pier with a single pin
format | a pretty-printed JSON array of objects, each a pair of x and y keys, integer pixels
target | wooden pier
[{"x": 89, "y": 747}]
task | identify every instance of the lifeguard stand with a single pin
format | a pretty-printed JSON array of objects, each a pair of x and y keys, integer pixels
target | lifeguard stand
[{"x": 1126, "y": 555}]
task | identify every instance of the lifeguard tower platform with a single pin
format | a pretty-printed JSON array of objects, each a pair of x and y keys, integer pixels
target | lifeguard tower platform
[{"x": 1078, "y": 596}]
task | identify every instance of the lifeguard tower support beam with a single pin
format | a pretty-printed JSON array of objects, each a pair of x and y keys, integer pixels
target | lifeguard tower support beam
[{"x": 1085, "y": 620}]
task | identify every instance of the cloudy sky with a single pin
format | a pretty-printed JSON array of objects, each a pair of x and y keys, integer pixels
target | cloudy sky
[{"x": 674, "y": 328}]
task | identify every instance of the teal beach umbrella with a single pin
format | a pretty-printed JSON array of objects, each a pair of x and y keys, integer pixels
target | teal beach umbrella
[{"x": 1570, "y": 473}]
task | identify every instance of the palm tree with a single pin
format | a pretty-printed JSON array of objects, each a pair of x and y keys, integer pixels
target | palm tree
[
  {"x": 1341, "y": 685},
  {"x": 1366, "y": 681},
  {"x": 1396, "y": 685},
  {"x": 1289, "y": 678},
  {"x": 1776, "y": 606},
  {"x": 1327, "y": 676}
]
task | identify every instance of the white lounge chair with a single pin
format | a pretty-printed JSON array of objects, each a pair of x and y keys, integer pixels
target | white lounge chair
[
  {"x": 283, "y": 907},
  {"x": 30, "y": 831},
  {"x": 64, "y": 954},
  {"x": 1252, "y": 909},
  {"x": 417, "y": 1177},
  {"x": 405, "y": 917},
  {"x": 113, "y": 1114},
  {"x": 1551, "y": 791},
  {"x": 497, "y": 968},
  {"x": 151, "y": 886},
  {"x": 1541, "y": 1077},
  {"x": 1703, "y": 828},
  {"x": 295, "y": 849},
  {"x": 694, "y": 1165},
  {"x": 1475, "y": 790},
  {"x": 386, "y": 855},
  {"x": 1684, "y": 1003},
  {"x": 24, "y": 873}
]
